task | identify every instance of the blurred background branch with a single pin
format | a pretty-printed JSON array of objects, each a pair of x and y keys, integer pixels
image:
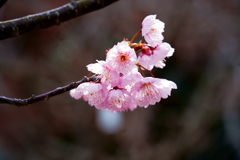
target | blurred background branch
[
  {"x": 15, "y": 27},
  {"x": 2, "y": 2}
]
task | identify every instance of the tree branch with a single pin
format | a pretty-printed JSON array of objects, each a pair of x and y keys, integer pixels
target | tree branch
[
  {"x": 15, "y": 27},
  {"x": 2, "y": 2},
  {"x": 45, "y": 96}
]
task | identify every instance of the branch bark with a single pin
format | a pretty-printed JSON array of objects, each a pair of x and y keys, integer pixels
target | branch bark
[
  {"x": 15, "y": 27},
  {"x": 45, "y": 96}
]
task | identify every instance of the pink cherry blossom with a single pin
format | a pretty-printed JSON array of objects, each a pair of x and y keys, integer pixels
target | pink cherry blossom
[
  {"x": 120, "y": 86},
  {"x": 152, "y": 29},
  {"x": 119, "y": 100},
  {"x": 151, "y": 90},
  {"x": 75, "y": 94},
  {"x": 108, "y": 76},
  {"x": 150, "y": 57},
  {"x": 94, "y": 93},
  {"x": 166, "y": 86},
  {"x": 97, "y": 68},
  {"x": 160, "y": 53},
  {"x": 128, "y": 80},
  {"x": 145, "y": 58},
  {"x": 122, "y": 58}
]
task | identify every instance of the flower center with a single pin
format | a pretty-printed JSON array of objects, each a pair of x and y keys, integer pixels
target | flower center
[
  {"x": 147, "y": 87},
  {"x": 122, "y": 58}
]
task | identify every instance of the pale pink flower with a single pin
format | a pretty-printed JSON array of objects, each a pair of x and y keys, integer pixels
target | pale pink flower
[
  {"x": 150, "y": 57},
  {"x": 145, "y": 58},
  {"x": 128, "y": 80},
  {"x": 75, "y": 94},
  {"x": 119, "y": 100},
  {"x": 152, "y": 29},
  {"x": 108, "y": 76},
  {"x": 97, "y": 68},
  {"x": 151, "y": 90},
  {"x": 120, "y": 86},
  {"x": 94, "y": 93},
  {"x": 166, "y": 87},
  {"x": 122, "y": 58},
  {"x": 160, "y": 53}
]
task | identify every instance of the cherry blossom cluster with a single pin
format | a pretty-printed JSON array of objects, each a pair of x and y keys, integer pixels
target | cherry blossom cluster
[{"x": 121, "y": 83}]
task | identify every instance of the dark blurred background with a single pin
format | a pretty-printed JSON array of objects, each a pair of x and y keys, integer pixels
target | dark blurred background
[{"x": 200, "y": 121}]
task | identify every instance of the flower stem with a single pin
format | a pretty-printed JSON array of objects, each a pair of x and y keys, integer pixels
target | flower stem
[
  {"x": 141, "y": 71},
  {"x": 149, "y": 72},
  {"x": 140, "y": 68},
  {"x": 136, "y": 34}
]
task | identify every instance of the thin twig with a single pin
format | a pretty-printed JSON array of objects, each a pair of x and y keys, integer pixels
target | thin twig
[
  {"x": 45, "y": 96},
  {"x": 15, "y": 27},
  {"x": 2, "y": 2}
]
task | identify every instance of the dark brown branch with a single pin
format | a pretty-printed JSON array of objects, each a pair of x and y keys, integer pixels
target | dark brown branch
[
  {"x": 50, "y": 18},
  {"x": 46, "y": 96},
  {"x": 2, "y": 2}
]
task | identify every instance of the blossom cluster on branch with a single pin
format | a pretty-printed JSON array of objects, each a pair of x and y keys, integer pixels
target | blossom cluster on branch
[{"x": 121, "y": 84}]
